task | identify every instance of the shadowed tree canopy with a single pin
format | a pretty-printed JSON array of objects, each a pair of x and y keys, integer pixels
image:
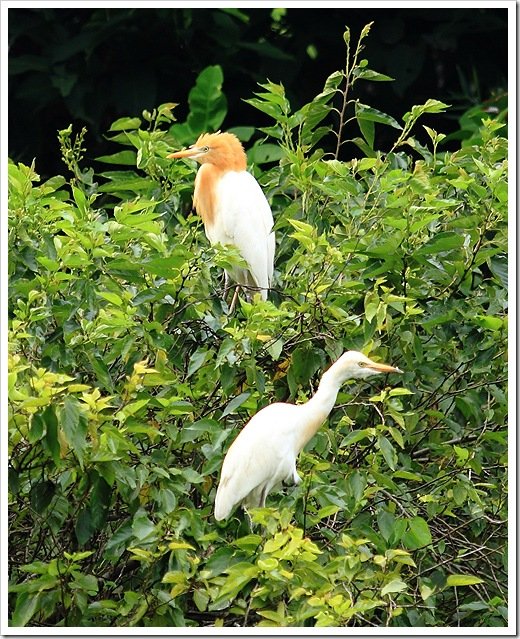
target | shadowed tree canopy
[{"x": 91, "y": 66}]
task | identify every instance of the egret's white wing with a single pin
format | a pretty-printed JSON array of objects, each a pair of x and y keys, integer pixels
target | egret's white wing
[
  {"x": 262, "y": 455},
  {"x": 246, "y": 221}
]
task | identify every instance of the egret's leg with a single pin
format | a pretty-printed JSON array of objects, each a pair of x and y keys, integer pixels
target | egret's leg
[
  {"x": 263, "y": 496},
  {"x": 234, "y": 300},
  {"x": 227, "y": 284},
  {"x": 250, "y": 521}
]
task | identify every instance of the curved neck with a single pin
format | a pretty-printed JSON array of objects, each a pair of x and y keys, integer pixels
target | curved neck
[{"x": 317, "y": 409}]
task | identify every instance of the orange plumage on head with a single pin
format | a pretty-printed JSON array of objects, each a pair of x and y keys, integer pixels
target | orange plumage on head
[{"x": 225, "y": 151}]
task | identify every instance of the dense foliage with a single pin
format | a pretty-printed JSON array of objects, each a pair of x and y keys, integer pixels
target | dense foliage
[{"x": 128, "y": 379}]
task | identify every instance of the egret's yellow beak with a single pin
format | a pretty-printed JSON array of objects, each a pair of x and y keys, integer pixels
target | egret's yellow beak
[
  {"x": 187, "y": 153},
  {"x": 383, "y": 368}
]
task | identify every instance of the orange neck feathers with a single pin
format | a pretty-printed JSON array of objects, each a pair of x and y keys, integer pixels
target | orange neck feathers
[
  {"x": 205, "y": 193},
  {"x": 218, "y": 153},
  {"x": 225, "y": 153}
]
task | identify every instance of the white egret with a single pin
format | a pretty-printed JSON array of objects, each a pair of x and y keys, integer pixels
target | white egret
[
  {"x": 233, "y": 207},
  {"x": 265, "y": 451}
]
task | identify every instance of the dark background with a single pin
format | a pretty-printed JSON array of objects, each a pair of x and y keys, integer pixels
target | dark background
[{"x": 91, "y": 66}]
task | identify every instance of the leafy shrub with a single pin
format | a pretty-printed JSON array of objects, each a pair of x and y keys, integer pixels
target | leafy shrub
[{"x": 128, "y": 379}]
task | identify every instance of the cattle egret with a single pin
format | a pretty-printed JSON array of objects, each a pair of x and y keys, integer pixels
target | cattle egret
[
  {"x": 233, "y": 208},
  {"x": 265, "y": 451}
]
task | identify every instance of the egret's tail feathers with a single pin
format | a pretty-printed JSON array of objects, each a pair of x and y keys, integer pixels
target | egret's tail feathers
[{"x": 224, "y": 503}]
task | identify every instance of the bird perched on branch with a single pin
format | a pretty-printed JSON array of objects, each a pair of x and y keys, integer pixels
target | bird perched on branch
[
  {"x": 265, "y": 451},
  {"x": 233, "y": 208}
]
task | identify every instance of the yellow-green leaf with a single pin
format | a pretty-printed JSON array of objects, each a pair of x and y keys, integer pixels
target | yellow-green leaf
[
  {"x": 396, "y": 585},
  {"x": 463, "y": 580}
]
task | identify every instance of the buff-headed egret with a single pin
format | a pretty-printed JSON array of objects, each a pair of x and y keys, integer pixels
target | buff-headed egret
[
  {"x": 265, "y": 451},
  {"x": 233, "y": 208}
]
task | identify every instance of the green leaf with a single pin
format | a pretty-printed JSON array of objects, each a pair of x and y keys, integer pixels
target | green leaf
[
  {"x": 263, "y": 153},
  {"x": 499, "y": 267},
  {"x": 463, "y": 580},
  {"x": 199, "y": 357},
  {"x": 41, "y": 495},
  {"x": 51, "y": 442},
  {"x": 38, "y": 428},
  {"x": 357, "y": 484},
  {"x": 405, "y": 474},
  {"x": 74, "y": 425},
  {"x": 125, "y": 124},
  {"x": 305, "y": 362},
  {"x": 384, "y": 480},
  {"x": 418, "y": 534},
  {"x": 316, "y": 111},
  {"x": 113, "y": 298},
  {"x": 85, "y": 526},
  {"x": 441, "y": 243},
  {"x": 142, "y": 527},
  {"x": 99, "y": 367},
  {"x": 201, "y": 427},
  {"x": 275, "y": 349},
  {"x": 388, "y": 451},
  {"x": 208, "y": 105},
  {"x": 268, "y": 564},
  {"x": 326, "y": 511},
  {"x": 332, "y": 82},
  {"x": 238, "y": 576},
  {"x": 396, "y": 392},
  {"x": 235, "y": 403},
  {"x": 364, "y": 112},
  {"x": 489, "y": 322},
  {"x": 396, "y": 585},
  {"x": 118, "y": 184},
  {"x": 27, "y": 603},
  {"x": 398, "y": 532},
  {"x": 475, "y": 605},
  {"x": 201, "y": 599},
  {"x": 80, "y": 199},
  {"x": 166, "y": 267},
  {"x": 86, "y": 583},
  {"x": 365, "y": 164},
  {"x": 386, "y": 523},
  {"x": 426, "y": 591},
  {"x": 357, "y": 436},
  {"x": 249, "y": 542},
  {"x": 374, "y": 76},
  {"x": 100, "y": 502},
  {"x": 220, "y": 561},
  {"x": 367, "y": 128},
  {"x": 180, "y": 407},
  {"x": 192, "y": 476},
  {"x": 361, "y": 144},
  {"x": 273, "y": 110},
  {"x": 118, "y": 542},
  {"x": 13, "y": 480},
  {"x": 434, "y": 106},
  {"x": 126, "y": 157}
]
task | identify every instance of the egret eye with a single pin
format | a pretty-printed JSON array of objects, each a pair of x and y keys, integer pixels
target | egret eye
[
  {"x": 205, "y": 149},
  {"x": 362, "y": 364}
]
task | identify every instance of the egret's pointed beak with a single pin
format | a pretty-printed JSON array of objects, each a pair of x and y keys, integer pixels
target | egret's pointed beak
[
  {"x": 383, "y": 368},
  {"x": 187, "y": 153}
]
